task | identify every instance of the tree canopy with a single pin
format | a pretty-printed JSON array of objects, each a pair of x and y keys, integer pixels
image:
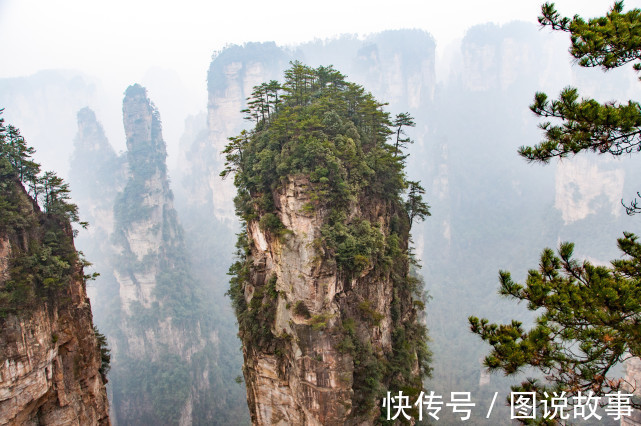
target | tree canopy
[
  {"x": 333, "y": 137},
  {"x": 590, "y": 321},
  {"x": 47, "y": 189},
  {"x": 43, "y": 257},
  {"x": 590, "y": 316},
  {"x": 586, "y": 124},
  {"x": 318, "y": 124}
]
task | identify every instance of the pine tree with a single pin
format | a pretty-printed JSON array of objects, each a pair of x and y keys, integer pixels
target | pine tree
[
  {"x": 590, "y": 321},
  {"x": 234, "y": 153},
  {"x": 15, "y": 151},
  {"x": 402, "y": 120},
  {"x": 586, "y": 124},
  {"x": 334, "y": 136},
  {"x": 415, "y": 206},
  {"x": 16, "y": 163},
  {"x": 590, "y": 316}
]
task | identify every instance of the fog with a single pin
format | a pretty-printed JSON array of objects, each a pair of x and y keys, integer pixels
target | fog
[
  {"x": 167, "y": 46},
  {"x": 120, "y": 40},
  {"x": 469, "y": 94}
]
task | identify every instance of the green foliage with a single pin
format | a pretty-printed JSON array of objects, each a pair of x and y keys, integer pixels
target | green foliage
[
  {"x": 301, "y": 309},
  {"x": 356, "y": 245},
  {"x": 369, "y": 313},
  {"x": 409, "y": 336},
  {"x": 588, "y": 315},
  {"x": 369, "y": 368},
  {"x": 415, "y": 206},
  {"x": 255, "y": 320},
  {"x": 331, "y": 137},
  {"x": 105, "y": 354},
  {"x": 264, "y": 102},
  {"x": 178, "y": 294},
  {"x": 401, "y": 120},
  {"x": 171, "y": 387},
  {"x": 234, "y": 153},
  {"x": 588, "y": 125},
  {"x": 334, "y": 133},
  {"x": 607, "y": 42},
  {"x": 270, "y": 222},
  {"x": 167, "y": 381},
  {"x": 395, "y": 371},
  {"x": 43, "y": 258},
  {"x": 18, "y": 154},
  {"x": 319, "y": 321},
  {"x": 323, "y": 127},
  {"x": 129, "y": 206},
  {"x": 47, "y": 189},
  {"x": 589, "y": 322},
  {"x": 239, "y": 275}
]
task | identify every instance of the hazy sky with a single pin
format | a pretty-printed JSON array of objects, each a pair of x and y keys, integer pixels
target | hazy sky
[
  {"x": 123, "y": 38},
  {"x": 167, "y": 45}
]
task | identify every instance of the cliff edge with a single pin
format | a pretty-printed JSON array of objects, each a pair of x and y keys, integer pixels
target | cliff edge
[
  {"x": 328, "y": 311},
  {"x": 52, "y": 360}
]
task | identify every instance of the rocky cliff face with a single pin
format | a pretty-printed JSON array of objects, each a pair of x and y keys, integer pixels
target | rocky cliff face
[
  {"x": 310, "y": 376},
  {"x": 205, "y": 201},
  {"x": 97, "y": 175},
  {"x": 43, "y": 105},
  {"x": 145, "y": 208},
  {"x": 500, "y": 57},
  {"x": 397, "y": 65},
  {"x": 327, "y": 310},
  {"x": 584, "y": 186},
  {"x": 94, "y": 164},
  {"x": 49, "y": 356},
  {"x": 164, "y": 344}
]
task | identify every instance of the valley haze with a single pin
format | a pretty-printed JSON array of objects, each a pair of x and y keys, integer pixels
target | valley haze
[{"x": 145, "y": 173}]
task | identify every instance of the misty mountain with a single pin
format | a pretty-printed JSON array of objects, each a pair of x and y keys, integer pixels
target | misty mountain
[{"x": 490, "y": 209}]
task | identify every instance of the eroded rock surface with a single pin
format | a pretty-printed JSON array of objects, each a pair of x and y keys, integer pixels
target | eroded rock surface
[
  {"x": 306, "y": 374},
  {"x": 49, "y": 355}
]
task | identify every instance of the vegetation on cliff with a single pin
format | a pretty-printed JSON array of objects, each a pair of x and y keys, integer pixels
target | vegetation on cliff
[
  {"x": 42, "y": 259},
  {"x": 335, "y": 136},
  {"x": 319, "y": 125},
  {"x": 49, "y": 261},
  {"x": 167, "y": 365},
  {"x": 175, "y": 291}
]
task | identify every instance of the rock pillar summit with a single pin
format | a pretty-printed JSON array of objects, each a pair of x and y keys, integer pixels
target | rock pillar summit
[{"x": 328, "y": 311}]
